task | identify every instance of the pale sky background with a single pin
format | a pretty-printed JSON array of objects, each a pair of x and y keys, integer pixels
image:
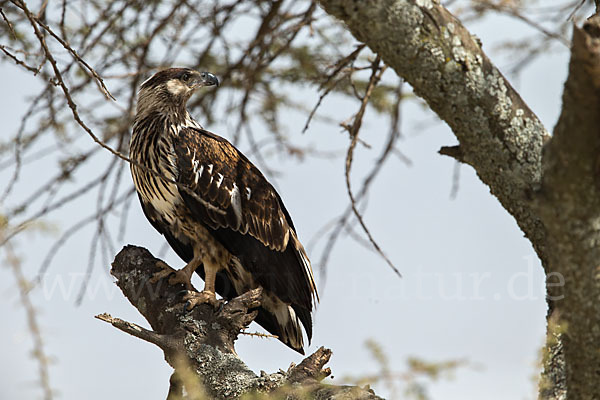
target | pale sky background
[{"x": 472, "y": 287}]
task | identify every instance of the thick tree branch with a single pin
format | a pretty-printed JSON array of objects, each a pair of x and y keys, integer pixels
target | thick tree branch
[
  {"x": 503, "y": 140},
  {"x": 570, "y": 209},
  {"x": 198, "y": 343},
  {"x": 499, "y": 135}
]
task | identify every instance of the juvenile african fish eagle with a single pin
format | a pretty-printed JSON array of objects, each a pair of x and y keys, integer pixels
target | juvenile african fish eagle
[{"x": 217, "y": 210}]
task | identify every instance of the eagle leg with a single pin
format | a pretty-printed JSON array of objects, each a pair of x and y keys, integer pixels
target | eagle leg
[
  {"x": 183, "y": 275},
  {"x": 208, "y": 294}
]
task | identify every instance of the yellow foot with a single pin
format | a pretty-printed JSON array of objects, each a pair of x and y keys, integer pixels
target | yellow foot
[
  {"x": 194, "y": 298},
  {"x": 176, "y": 276}
]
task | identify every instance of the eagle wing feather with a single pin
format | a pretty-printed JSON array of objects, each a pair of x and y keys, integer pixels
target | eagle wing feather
[{"x": 231, "y": 191}]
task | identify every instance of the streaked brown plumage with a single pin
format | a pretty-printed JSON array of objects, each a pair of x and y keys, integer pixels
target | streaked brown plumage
[{"x": 217, "y": 210}]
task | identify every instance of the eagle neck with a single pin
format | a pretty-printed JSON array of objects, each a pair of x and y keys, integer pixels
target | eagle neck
[{"x": 162, "y": 104}]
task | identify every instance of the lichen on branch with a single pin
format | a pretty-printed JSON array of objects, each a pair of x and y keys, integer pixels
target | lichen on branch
[{"x": 199, "y": 343}]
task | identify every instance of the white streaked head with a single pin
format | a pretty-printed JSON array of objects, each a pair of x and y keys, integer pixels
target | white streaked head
[{"x": 171, "y": 88}]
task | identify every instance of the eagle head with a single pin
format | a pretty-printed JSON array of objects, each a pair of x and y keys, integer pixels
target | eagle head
[{"x": 171, "y": 88}]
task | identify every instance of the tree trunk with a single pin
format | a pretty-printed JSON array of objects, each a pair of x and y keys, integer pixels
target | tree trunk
[
  {"x": 569, "y": 205},
  {"x": 550, "y": 186}
]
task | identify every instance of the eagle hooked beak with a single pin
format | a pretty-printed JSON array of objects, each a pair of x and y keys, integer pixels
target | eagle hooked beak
[{"x": 206, "y": 79}]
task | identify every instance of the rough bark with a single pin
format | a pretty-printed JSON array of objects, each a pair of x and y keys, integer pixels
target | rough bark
[
  {"x": 499, "y": 136},
  {"x": 553, "y": 195},
  {"x": 199, "y": 343},
  {"x": 569, "y": 205}
]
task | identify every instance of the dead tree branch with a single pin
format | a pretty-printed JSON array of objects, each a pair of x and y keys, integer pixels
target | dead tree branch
[
  {"x": 499, "y": 135},
  {"x": 199, "y": 343}
]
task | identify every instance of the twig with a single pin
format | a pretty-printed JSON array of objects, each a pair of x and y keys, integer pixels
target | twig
[
  {"x": 258, "y": 334},
  {"x": 341, "y": 64},
  {"x": 39, "y": 352},
  {"x": 578, "y": 7},
  {"x": 10, "y": 27},
  {"x": 516, "y": 14},
  {"x": 455, "y": 181},
  {"x": 18, "y": 61},
  {"x": 73, "y": 106},
  {"x": 337, "y": 225},
  {"x": 353, "y": 130},
  {"x": 76, "y": 56},
  {"x": 61, "y": 82},
  {"x": 133, "y": 329}
]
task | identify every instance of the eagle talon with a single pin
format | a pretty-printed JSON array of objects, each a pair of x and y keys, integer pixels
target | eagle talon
[
  {"x": 165, "y": 272},
  {"x": 192, "y": 299},
  {"x": 182, "y": 276}
]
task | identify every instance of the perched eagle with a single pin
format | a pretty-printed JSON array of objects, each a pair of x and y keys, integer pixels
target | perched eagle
[{"x": 217, "y": 210}]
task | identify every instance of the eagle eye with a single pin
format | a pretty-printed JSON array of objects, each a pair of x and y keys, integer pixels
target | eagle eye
[{"x": 185, "y": 77}]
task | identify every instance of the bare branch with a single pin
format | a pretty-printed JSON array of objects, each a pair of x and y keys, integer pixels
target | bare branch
[
  {"x": 444, "y": 63},
  {"x": 18, "y": 61},
  {"x": 339, "y": 66},
  {"x": 61, "y": 82},
  {"x": 514, "y": 12},
  {"x": 134, "y": 330},
  {"x": 76, "y": 56},
  {"x": 353, "y": 129},
  {"x": 200, "y": 341},
  {"x": 39, "y": 352}
]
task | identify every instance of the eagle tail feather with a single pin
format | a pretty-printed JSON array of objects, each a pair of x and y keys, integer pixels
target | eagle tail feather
[{"x": 281, "y": 320}]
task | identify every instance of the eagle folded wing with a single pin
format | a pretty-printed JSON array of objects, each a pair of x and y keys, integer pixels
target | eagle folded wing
[{"x": 225, "y": 190}]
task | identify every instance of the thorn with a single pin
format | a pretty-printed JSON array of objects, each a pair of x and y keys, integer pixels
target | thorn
[{"x": 291, "y": 367}]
